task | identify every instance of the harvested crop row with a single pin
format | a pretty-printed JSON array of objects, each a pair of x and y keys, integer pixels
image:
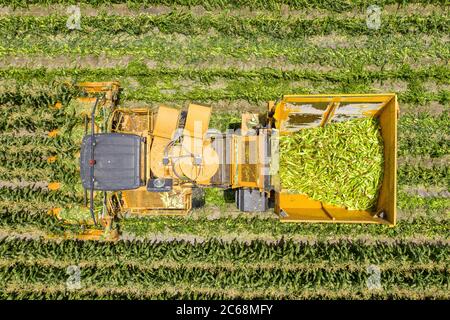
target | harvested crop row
[
  {"x": 436, "y": 204},
  {"x": 40, "y": 291},
  {"x": 84, "y": 56},
  {"x": 35, "y": 214},
  {"x": 188, "y": 24},
  {"x": 213, "y": 250},
  {"x": 260, "y": 91},
  {"x": 71, "y": 194},
  {"x": 163, "y": 85},
  {"x": 257, "y": 91},
  {"x": 328, "y": 50}
]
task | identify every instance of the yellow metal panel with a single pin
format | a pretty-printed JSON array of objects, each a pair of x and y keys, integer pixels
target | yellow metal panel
[
  {"x": 388, "y": 193},
  {"x": 339, "y": 97},
  {"x": 164, "y": 127},
  {"x": 248, "y": 162},
  {"x": 197, "y": 120},
  {"x": 290, "y": 200},
  {"x": 302, "y": 214},
  {"x": 166, "y": 122},
  {"x": 247, "y": 118},
  {"x": 156, "y": 157},
  {"x": 142, "y": 201}
]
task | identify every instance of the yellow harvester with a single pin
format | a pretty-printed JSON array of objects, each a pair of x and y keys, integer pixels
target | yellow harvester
[{"x": 148, "y": 161}]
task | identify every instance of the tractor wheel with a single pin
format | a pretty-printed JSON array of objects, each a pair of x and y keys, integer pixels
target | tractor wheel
[
  {"x": 198, "y": 197},
  {"x": 251, "y": 200}
]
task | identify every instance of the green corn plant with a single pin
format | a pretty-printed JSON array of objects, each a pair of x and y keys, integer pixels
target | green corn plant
[
  {"x": 340, "y": 164},
  {"x": 214, "y": 250},
  {"x": 248, "y": 27},
  {"x": 272, "y": 228}
]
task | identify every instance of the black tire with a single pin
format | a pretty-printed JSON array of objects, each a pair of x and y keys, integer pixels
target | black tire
[
  {"x": 229, "y": 195},
  {"x": 251, "y": 200},
  {"x": 198, "y": 197}
]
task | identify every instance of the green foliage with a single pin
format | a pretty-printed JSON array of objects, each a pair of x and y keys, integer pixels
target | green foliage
[
  {"x": 201, "y": 50},
  {"x": 424, "y": 135},
  {"x": 264, "y": 84},
  {"x": 332, "y": 5},
  {"x": 272, "y": 228},
  {"x": 222, "y": 277},
  {"x": 340, "y": 164},
  {"x": 214, "y": 196},
  {"x": 438, "y": 175},
  {"x": 10, "y": 217},
  {"x": 40, "y": 194},
  {"x": 247, "y": 27},
  {"x": 213, "y": 250},
  {"x": 253, "y": 58}
]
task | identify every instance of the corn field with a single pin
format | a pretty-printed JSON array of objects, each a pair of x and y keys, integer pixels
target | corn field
[{"x": 235, "y": 56}]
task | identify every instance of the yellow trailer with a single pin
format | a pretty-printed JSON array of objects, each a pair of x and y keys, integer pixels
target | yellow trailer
[{"x": 296, "y": 112}]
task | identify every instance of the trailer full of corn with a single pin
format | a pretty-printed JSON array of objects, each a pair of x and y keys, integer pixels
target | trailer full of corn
[{"x": 337, "y": 158}]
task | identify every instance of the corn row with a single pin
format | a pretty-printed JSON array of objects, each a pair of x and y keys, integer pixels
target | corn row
[
  {"x": 274, "y": 228},
  {"x": 260, "y": 91},
  {"x": 189, "y": 24},
  {"x": 61, "y": 143},
  {"x": 165, "y": 48},
  {"x": 32, "y": 120},
  {"x": 425, "y": 176},
  {"x": 219, "y": 277},
  {"x": 244, "y": 228},
  {"x": 39, "y": 194},
  {"x": 336, "y": 5},
  {"x": 39, "y": 218},
  {"x": 138, "y": 69},
  {"x": 41, "y": 291},
  {"x": 257, "y": 91},
  {"x": 430, "y": 205},
  {"x": 213, "y": 250},
  {"x": 38, "y": 99}
]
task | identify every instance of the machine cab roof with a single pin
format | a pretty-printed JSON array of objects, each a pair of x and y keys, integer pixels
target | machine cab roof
[{"x": 114, "y": 164}]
